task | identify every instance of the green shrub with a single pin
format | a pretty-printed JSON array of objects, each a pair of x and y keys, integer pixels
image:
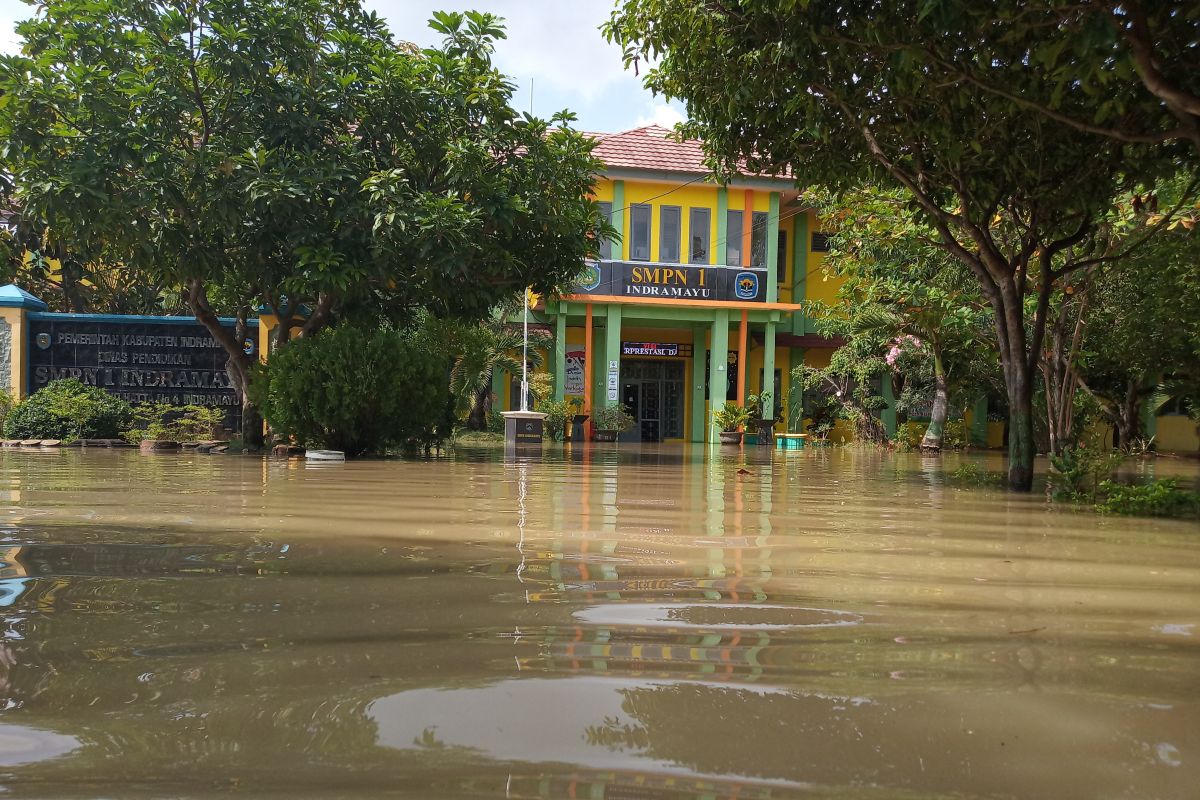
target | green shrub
[
  {"x": 954, "y": 435},
  {"x": 67, "y": 409},
  {"x": 908, "y": 435},
  {"x": 559, "y": 416},
  {"x": 824, "y": 418},
  {"x": 357, "y": 389},
  {"x": 975, "y": 475},
  {"x": 159, "y": 421},
  {"x": 731, "y": 416},
  {"x": 1077, "y": 473},
  {"x": 1161, "y": 498},
  {"x": 612, "y": 418}
]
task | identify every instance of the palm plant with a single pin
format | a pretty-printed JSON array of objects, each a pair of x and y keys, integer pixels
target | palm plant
[{"x": 483, "y": 349}]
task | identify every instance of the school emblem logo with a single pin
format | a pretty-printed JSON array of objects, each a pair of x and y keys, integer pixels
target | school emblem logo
[
  {"x": 745, "y": 286},
  {"x": 43, "y": 341},
  {"x": 589, "y": 280}
]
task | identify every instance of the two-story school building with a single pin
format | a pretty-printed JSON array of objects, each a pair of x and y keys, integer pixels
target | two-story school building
[{"x": 697, "y": 301}]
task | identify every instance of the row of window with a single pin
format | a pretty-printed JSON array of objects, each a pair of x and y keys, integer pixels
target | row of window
[{"x": 670, "y": 236}]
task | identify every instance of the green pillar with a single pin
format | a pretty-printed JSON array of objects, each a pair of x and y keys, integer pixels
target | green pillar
[
  {"x": 718, "y": 373},
  {"x": 699, "y": 398},
  {"x": 612, "y": 353},
  {"x": 773, "y": 250},
  {"x": 768, "y": 381},
  {"x": 718, "y": 256},
  {"x": 800, "y": 272},
  {"x": 888, "y": 416},
  {"x": 618, "y": 219},
  {"x": 560, "y": 355},
  {"x": 795, "y": 421},
  {"x": 599, "y": 366},
  {"x": 979, "y": 412}
]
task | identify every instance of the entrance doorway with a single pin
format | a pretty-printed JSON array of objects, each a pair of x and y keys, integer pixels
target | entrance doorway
[{"x": 652, "y": 392}]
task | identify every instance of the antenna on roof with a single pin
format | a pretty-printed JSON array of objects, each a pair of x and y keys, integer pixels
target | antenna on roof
[{"x": 531, "y": 96}]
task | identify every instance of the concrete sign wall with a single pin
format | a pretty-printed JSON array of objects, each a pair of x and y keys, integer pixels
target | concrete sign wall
[{"x": 140, "y": 359}]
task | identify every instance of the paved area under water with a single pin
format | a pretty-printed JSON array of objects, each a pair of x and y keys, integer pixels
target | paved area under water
[{"x": 612, "y": 623}]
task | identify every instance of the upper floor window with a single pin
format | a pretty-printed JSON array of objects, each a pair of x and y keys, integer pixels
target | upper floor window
[
  {"x": 670, "y": 220},
  {"x": 820, "y": 242},
  {"x": 758, "y": 239},
  {"x": 698, "y": 222},
  {"x": 605, "y": 242},
  {"x": 781, "y": 257},
  {"x": 733, "y": 239},
  {"x": 639, "y": 232}
]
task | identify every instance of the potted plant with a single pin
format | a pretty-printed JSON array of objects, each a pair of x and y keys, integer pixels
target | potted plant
[
  {"x": 609, "y": 421},
  {"x": 731, "y": 418},
  {"x": 757, "y": 405}
]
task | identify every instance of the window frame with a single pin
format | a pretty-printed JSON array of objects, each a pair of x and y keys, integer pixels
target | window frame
[
  {"x": 758, "y": 238},
  {"x": 733, "y": 241},
  {"x": 634, "y": 208},
  {"x": 781, "y": 256},
  {"x": 707, "y": 228},
  {"x": 663, "y": 241}
]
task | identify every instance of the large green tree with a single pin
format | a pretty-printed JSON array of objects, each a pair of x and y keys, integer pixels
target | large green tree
[
  {"x": 1125, "y": 69},
  {"x": 291, "y": 154},
  {"x": 1142, "y": 334},
  {"x": 909, "y": 295},
  {"x": 842, "y": 94}
]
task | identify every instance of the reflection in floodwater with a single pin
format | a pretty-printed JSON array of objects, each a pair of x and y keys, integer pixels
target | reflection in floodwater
[{"x": 633, "y": 623}]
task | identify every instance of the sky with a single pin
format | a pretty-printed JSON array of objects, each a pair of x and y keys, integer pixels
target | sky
[{"x": 554, "y": 47}]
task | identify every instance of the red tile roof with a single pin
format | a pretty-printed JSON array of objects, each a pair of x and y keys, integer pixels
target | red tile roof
[{"x": 654, "y": 148}]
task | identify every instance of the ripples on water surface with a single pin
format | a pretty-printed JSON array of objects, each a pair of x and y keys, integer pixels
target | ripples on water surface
[{"x": 832, "y": 624}]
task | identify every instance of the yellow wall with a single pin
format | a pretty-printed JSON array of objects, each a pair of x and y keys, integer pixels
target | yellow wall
[{"x": 1176, "y": 434}]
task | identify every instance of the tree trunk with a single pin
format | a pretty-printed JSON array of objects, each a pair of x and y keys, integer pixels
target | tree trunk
[
  {"x": 477, "y": 419},
  {"x": 935, "y": 433},
  {"x": 1021, "y": 448},
  {"x": 1127, "y": 419},
  {"x": 897, "y": 390},
  {"x": 239, "y": 364}
]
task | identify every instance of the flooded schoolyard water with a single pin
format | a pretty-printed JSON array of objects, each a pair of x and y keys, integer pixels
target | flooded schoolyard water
[{"x": 612, "y": 623}]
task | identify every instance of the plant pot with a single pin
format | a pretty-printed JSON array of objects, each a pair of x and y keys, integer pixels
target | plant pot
[
  {"x": 604, "y": 436},
  {"x": 731, "y": 437}
]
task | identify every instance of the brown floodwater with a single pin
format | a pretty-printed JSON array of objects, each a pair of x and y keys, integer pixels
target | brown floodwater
[{"x": 604, "y": 623}]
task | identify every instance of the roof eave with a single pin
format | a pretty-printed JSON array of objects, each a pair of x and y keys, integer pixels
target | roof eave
[{"x": 670, "y": 176}]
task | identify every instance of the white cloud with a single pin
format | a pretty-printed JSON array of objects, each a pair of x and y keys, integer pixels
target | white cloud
[
  {"x": 661, "y": 114},
  {"x": 8, "y": 36},
  {"x": 557, "y": 43}
]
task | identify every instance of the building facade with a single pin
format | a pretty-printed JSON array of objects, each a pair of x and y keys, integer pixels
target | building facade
[{"x": 698, "y": 299}]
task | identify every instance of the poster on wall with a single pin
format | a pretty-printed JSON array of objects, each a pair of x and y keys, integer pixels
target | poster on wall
[{"x": 574, "y": 373}]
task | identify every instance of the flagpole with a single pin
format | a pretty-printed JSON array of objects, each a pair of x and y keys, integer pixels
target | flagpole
[{"x": 525, "y": 355}]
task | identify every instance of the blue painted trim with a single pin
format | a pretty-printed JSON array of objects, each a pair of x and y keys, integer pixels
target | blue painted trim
[
  {"x": 59, "y": 315},
  {"x": 13, "y": 296},
  {"x": 303, "y": 311}
]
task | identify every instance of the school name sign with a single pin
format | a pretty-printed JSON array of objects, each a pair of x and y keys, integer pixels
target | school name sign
[
  {"x": 140, "y": 359},
  {"x": 673, "y": 281}
]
